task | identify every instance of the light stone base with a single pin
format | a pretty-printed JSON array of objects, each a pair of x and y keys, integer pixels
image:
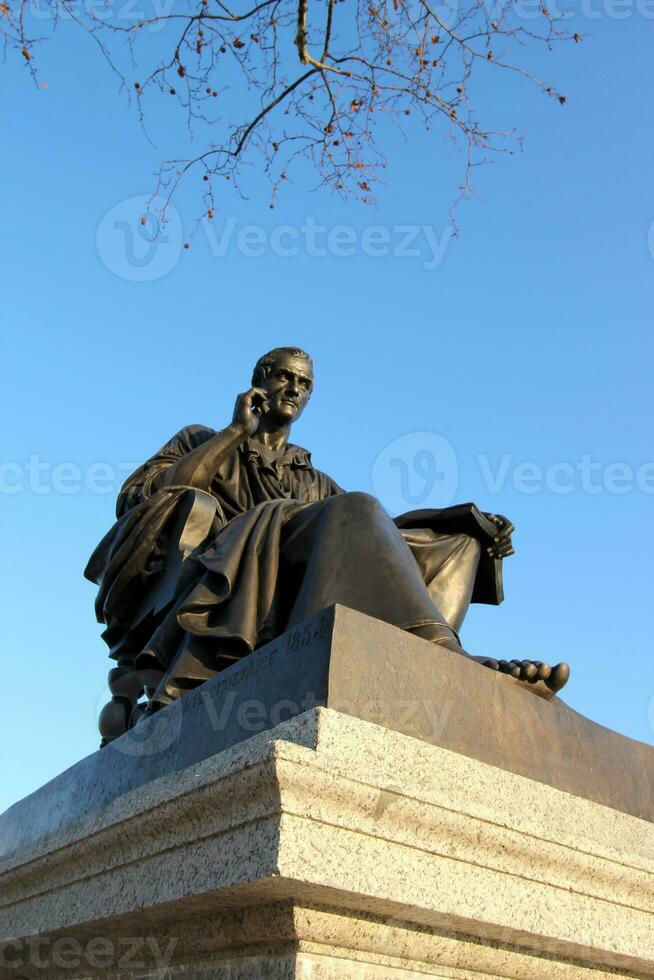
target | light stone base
[{"x": 333, "y": 848}]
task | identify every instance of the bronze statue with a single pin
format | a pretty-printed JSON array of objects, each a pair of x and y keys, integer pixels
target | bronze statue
[{"x": 226, "y": 539}]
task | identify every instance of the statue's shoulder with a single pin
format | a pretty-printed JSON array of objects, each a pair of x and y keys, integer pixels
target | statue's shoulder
[{"x": 188, "y": 439}]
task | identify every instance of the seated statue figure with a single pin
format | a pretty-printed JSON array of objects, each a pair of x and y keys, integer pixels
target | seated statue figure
[{"x": 226, "y": 539}]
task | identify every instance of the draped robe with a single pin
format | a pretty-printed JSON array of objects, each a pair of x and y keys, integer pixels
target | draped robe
[{"x": 190, "y": 581}]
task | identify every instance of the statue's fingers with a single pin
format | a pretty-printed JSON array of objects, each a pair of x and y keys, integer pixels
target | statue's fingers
[
  {"x": 493, "y": 664},
  {"x": 502, "y": 523},
  {"x": 256, "y": 399},
  {"x": 505, "y": 666},
  {"x": 544, "y": 671}
]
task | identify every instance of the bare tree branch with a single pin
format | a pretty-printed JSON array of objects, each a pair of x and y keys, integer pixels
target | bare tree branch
[{"x": 231, "y": 71}]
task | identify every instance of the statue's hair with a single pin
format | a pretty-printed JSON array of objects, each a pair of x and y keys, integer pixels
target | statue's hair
[{"x": 266, "y": 363}]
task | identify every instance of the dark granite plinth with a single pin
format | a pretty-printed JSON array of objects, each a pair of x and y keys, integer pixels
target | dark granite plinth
[{"x": 357, "y": 665}]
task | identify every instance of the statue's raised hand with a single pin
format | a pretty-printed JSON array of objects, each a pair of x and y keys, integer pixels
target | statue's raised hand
[{"x": 247, "y": 410}]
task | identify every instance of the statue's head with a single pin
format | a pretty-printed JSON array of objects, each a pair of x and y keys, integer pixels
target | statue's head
[{"x": 286, "y": 373}]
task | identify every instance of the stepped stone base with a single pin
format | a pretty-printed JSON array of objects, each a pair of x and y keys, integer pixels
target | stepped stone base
[
  {"x": 335, "y": 848},
  {"x": 329, "y": 846}
]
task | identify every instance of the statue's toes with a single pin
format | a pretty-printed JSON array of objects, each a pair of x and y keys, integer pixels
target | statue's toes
[
  {"x": 529, "y": 670},
  {"x": 544, "y": 671},
  {"x": 559, "y": 677},
  {"x": 487, "y": 662}
]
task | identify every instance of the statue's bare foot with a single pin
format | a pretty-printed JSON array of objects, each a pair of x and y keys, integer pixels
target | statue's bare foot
[
  {"x": 541, "y": 678},
  {"x": 538, "y": 677}
]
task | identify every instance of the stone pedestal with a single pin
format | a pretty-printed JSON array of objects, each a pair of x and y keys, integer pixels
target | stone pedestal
[{"x": 328, "y": 847}]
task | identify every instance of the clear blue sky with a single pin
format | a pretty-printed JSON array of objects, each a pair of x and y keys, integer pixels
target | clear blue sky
[{"x": 530, "y": 343}]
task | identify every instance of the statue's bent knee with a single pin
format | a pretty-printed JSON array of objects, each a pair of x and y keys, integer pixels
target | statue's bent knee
[{"x": 357, "y": 505}]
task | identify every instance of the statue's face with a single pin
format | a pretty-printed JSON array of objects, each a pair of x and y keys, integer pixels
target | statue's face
[{"x": 290, "y": 384}]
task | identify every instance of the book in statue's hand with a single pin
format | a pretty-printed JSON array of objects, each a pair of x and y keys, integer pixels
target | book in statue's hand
[{"x": 465, "y": 519}]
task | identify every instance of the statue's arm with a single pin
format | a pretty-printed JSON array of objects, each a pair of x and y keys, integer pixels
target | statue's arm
[{"x": 198, "y": 468}]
